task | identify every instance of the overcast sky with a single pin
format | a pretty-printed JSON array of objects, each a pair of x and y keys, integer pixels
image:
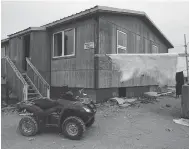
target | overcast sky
[{"x": 172, "y": 18}]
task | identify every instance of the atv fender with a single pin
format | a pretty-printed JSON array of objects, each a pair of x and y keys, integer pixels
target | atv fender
[
  {"x": 32, "y": 109},
  {"x": 69, "y": 112}
]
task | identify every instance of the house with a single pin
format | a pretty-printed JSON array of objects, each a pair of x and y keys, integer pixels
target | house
[{"x": 64, "y": 52}]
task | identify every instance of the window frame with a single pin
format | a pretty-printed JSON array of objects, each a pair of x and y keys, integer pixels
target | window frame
[
  {"x": 70, "y": 55},
  {"x": 153, "y": 45},
  {"x": 119, "y": 46}
]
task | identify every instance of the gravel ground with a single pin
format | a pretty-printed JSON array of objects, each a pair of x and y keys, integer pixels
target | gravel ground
[{"x": 144, "y": 126}]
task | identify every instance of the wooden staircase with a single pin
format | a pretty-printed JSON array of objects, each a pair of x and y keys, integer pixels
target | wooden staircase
[
  {"x": 27, "y": 86},
  {"x": 33, "y": 92}
]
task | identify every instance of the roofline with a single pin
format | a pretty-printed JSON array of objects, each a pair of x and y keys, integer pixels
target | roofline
[
  {"x": 94, "y": 10},
  {"x": 161, "y": 33},
  {"x": 110, "y": 10},
  {"x": 27, "y": 30},
  {"x": 74, "y": 16},
  {"x": 4, "y": 40}
]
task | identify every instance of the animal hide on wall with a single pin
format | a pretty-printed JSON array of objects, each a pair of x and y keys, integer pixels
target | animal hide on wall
[{"x": 161, "y": 67}]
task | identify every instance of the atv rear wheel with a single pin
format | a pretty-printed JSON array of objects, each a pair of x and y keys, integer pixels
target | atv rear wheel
[
  {"x": 89, "y": 124},
  {"x": 28, "y": 126},
  {"x": 73, "y": 128}
]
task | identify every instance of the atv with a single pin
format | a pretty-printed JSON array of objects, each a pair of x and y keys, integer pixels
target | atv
[{"x": 70, "y": 113}]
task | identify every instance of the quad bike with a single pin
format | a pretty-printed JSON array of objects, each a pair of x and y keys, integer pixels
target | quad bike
[{"x": 71, "y": 114}]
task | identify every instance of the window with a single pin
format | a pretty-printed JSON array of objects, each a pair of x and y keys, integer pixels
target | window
[
  {"x": 154, "y": 49},
  {"x": 3, "y": 52},
  {"x": 121, "y": 42},
  {"x": 64, "y": 43}
]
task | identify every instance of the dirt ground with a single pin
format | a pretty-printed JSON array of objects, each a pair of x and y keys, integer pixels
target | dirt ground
[{"x": 144, "y": 126}]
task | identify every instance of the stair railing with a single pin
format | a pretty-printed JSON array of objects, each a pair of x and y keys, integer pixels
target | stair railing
[
  {"x": 40, "y": 83},
  {"x": 14, "y": 78}
]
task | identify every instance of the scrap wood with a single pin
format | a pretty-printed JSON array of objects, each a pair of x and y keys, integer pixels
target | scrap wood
[{"x": 117, "y": 100}]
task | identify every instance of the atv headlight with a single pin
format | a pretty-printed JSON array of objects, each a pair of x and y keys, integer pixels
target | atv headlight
[{"x": 87, "y": 109}]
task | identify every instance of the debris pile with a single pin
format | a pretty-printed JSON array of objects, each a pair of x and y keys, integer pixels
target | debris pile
[
  {"x": 3, "y": 104},
  {"x": 122, "y": 102},
  {"x": 9, "y": 109}
]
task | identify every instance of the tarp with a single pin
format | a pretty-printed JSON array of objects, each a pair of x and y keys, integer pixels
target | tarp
[{"x": 161, "y": 67}]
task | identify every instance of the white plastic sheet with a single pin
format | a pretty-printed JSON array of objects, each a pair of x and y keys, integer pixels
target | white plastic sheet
[
  {"x": 182, "y": 121},
  {"x": 161, "y": 67}
]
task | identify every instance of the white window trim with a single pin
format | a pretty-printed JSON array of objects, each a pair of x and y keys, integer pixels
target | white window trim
[
  {"x": 119, "y": 46},
  {"x": 63, "y": 44}
]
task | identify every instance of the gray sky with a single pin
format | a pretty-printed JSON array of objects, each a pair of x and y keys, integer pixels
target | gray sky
[{"x": 172, "y": 18}]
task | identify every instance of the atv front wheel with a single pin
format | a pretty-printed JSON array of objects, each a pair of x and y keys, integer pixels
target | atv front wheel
[
  {"x": 73, "y": 128},
  {"x": 28, "y": 126},
  {"x": 89, "y": 124}
]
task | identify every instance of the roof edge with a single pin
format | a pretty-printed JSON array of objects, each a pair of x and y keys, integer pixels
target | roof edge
[
  {"x": 77, "y": 15},
  {"x": 161, "y": 33},
  {"x": 93, "y": 10},
  {"x": 27, "y": 30},
  {"x": 4, "y": 40}
]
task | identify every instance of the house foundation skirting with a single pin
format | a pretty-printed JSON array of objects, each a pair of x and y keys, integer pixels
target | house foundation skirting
[{"x": 103, "y": 94}]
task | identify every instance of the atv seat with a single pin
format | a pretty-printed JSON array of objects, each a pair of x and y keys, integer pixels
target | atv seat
[{"x": 45, "y": 103}]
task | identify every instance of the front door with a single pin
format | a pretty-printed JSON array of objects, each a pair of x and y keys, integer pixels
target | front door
[{"x": 26, "y": 50}]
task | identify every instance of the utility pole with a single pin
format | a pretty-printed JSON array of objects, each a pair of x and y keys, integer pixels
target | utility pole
[{"x": 185, "y": 45}]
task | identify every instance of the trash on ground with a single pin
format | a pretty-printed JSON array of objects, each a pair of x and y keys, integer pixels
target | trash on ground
[
  {"x": 182, "y": 121},
  {"x": 3, "y": 104},
  {"x": 164, "y": 94},
  {"x": 151, "y": 94},
  {"x": 117, "y": 100},
  {"x": 8, "y": 109},
  {"x": 167, "y": 129},
  {"x": 130, "y": 100},
  {"x": 147, "y": 100},
  {"x": 125, "y": 105},
  {"x": 31, "y": 139},
  {"x": 168, "y": 105}
]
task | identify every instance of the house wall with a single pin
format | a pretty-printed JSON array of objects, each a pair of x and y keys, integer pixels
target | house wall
[
  {"x": 3, "y": 67},
  {"x": 16, "y": 51},
  {"x": 135, "y": 28},
  {"x": 40, "y": 53},
  {"x": 78, "y": 70},
  {"x": 6, "y": 46}
]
